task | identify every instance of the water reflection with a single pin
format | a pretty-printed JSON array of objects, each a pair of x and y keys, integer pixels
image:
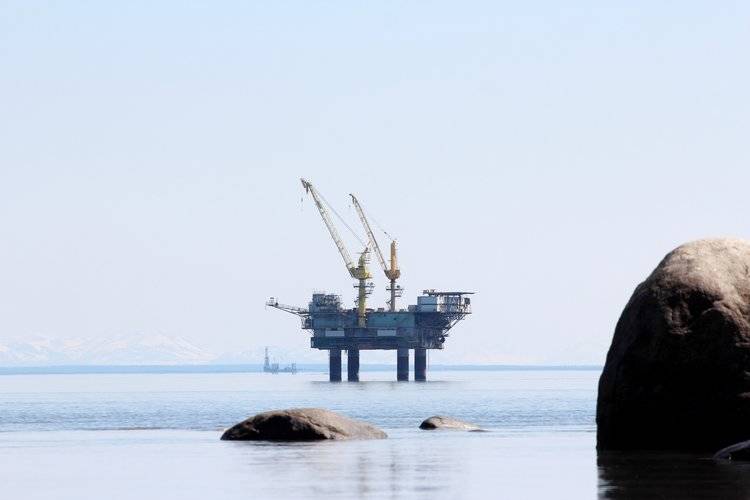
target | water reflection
[
  {"x": 670, "y": 475},
  {"x": 392, "y": 468}
]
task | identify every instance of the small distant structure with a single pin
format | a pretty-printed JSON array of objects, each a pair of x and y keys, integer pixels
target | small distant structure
[{"x": 269, "y": 367}]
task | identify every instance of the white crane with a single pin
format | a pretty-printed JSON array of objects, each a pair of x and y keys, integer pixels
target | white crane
[{"x": 358, "y": 272}]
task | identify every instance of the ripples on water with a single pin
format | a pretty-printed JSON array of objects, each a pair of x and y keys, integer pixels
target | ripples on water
[
  {"x": 156, "y": 436},
  {"x": 211, "y": 401}
]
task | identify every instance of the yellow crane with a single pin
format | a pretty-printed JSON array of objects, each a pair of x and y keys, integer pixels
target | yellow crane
[
  {"x": 392, "y": 272},
  {"x": 358, "y": 272}
]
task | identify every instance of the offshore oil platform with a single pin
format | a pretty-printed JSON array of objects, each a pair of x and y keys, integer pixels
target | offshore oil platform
[{"x": 420, "y": 327}]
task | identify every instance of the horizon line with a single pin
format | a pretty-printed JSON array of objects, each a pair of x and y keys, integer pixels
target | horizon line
[{"x": 257, "y": 367}]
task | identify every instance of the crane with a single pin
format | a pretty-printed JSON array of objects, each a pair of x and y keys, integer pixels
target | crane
[
  {"x": 358, "y": 272},
  {"x": 303, "y": 314},
  {"x": 298, "y": 311},
  {"x": 392, "y": 272}
]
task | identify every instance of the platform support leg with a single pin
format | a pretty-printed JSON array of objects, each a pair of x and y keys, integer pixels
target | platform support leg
[
  {"x": 352, "y": 368},
  {"x": 402, "y": 364},
  {"x": 420, "y": 365},
  {"x": 334, "y": 365}
]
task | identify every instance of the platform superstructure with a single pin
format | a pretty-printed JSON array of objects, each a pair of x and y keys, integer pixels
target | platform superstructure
[{"x": 422, "y": 326}]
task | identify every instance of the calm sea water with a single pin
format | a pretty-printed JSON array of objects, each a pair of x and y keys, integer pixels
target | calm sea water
[{"x": 140, "y": 436}]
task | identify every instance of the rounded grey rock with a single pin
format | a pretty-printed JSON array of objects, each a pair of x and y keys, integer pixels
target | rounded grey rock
[
  {"x": 439, "y": 422},
  {"x": 301, "y": 424}
]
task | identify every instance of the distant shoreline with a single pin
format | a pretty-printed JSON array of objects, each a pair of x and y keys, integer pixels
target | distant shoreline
[{"x": 253, "y": 368}]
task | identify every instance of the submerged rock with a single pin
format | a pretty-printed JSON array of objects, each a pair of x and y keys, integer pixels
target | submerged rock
[
  {"x": 301, "y": 424},
  {"x": 440, "y": 422},
  {"x": 737, "y": 452},
  {"x": 677, "y": 374}
]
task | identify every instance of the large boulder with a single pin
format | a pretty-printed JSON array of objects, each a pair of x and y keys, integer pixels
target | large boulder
[
  {"x": 301, "y": 424},
  {"x": 438, "y": 422},
  {"x": 677, "y": 374}
]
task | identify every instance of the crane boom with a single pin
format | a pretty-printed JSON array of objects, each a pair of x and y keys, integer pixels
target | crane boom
[
  {"x": 358, "y": 272},
  {"x": 370, "y": 236},
  {"x": 297, "y": 311},
  {"x": 392, "y": 272},
  {"x": 331, "y": 228}
]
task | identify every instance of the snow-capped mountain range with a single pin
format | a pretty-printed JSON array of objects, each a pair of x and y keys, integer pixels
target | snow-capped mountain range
[
  {"x": 118, "y": 350},
  {"x": 138, "y": 349}
]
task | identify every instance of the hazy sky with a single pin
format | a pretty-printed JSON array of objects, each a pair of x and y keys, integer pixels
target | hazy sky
[{"x": 545, "y": 156}]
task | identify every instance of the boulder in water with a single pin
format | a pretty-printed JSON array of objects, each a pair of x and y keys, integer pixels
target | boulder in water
[
  {"x": 301, "y": 424},
  {"x": 440, "y": 422},
  {"x": 677, "y": 374}
]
